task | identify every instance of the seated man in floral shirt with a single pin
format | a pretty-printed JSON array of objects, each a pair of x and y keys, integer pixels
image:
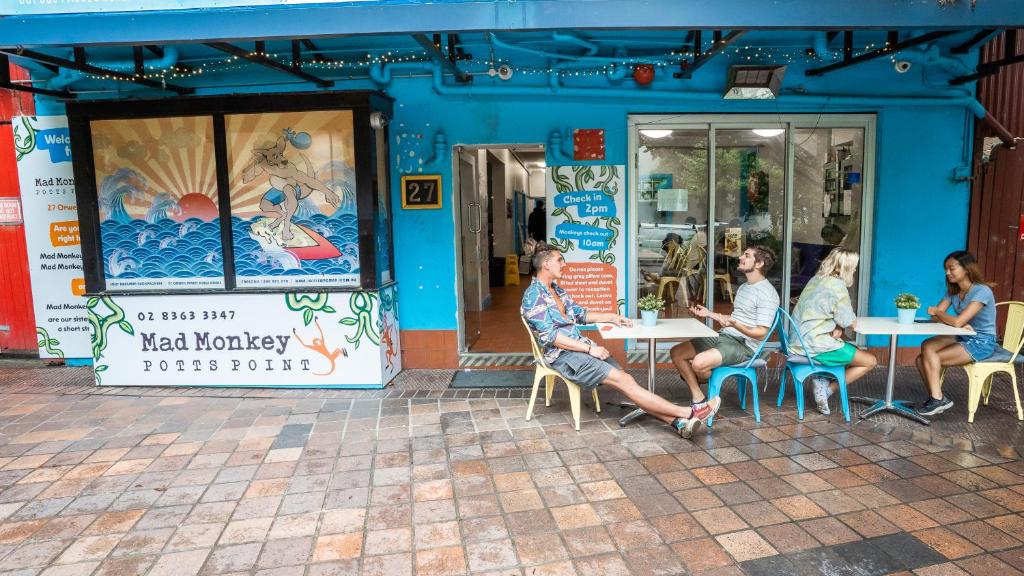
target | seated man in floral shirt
[{"x": 554, "y": 318}]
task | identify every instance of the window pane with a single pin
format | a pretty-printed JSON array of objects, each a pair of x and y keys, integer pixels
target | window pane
[
  {"x": 159, "y": 221},
  {"x": 293, "y": 199},
  {"x": 750, "y": 191},
  {"x": 827, "y": 196},
  {"x": 672, "y": 212}
]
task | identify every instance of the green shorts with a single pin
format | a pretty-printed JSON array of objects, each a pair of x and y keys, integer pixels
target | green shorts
[
  {"x": 733, "y": 350},
  {"x": 839, "y": 357}
]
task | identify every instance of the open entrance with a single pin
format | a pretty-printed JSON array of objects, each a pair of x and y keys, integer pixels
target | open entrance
[{"x": 498, "y": 187}]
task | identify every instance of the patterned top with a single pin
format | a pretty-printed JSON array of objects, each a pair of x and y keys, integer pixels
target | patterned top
[
  {"x": 547, "y": 322},
  {"x": 824, "y": 304}
]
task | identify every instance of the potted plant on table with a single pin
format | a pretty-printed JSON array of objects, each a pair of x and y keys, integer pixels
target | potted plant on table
[
  {"x": 649, "y": 307},
  {"x": 906, "y": 307}
]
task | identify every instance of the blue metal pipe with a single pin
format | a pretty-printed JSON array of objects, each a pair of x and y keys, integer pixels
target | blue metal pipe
[
  {"x": 961, "y": 98},
  {"x": 66, "y": 77},
  {"x": 591, "y": 47}
]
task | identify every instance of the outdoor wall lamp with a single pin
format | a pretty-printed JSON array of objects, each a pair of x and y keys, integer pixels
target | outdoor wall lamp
[{"x": 753, "y": 82}]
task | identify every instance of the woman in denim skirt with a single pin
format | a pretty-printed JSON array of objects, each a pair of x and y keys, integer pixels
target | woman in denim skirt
[{"x": 973, "y": 305}]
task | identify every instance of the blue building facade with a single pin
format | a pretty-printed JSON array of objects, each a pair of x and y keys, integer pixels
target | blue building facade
[{"x": 571, "y": 66}]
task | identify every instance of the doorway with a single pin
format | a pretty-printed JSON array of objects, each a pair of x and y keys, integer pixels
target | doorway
[{"x": 494, "y": 184}]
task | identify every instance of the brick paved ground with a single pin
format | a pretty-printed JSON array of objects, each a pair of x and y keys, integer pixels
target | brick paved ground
[{"x": 418, "y": 479}]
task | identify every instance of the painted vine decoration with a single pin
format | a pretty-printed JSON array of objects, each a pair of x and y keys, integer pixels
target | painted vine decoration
[
  {"x": 361, "y": 304},
  {"x": 47, "y": 343},
  {"x": 309, "y": 304},
  {"x": 24, "y": 143},
  {"x": 101, "y": 325}
]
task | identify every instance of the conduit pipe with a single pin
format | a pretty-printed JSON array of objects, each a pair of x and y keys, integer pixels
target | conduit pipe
[
  {"x": 957, "y": 99},
  {"x": 66, "y": 76},
  {"x": 590, "y": 47},
  {"x": 558, "y": 56}
]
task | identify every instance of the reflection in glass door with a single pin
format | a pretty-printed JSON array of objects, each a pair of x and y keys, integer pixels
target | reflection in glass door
[
  {"x": 798, "y": 184},
  {"x": 828, "y": 194},
  {"x": 750, "y": 205},
  {"x": 672, "y": 212}
]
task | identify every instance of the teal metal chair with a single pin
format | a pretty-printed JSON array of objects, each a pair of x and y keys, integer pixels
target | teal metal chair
[
  {"x": 802, "y": 366},
  {"x": 744, "y": 373}
]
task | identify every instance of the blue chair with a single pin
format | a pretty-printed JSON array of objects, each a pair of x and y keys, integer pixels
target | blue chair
[
  {"x": 801, "y": 366},
  {"x": 745, "y": 372}
]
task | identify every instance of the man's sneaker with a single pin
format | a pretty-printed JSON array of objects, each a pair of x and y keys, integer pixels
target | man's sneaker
[
  {"x": 707, "y": 410},
  {"x": 689, "y": 428},
  {"x": 821, "y": 394},
  {"x": 933, "y": 406}
]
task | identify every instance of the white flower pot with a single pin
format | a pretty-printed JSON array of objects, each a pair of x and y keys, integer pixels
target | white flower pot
[
  {"x": 906, "y": 315},
  {"x": 648, "y": 317}
]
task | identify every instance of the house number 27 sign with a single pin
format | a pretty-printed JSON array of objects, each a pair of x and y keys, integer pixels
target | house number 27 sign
[{"x": 421, "y": 191}]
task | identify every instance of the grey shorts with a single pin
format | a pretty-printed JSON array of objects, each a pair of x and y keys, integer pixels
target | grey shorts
[
  {"x": 584, "y": 369},
  {"x": 733, "y": 350}
]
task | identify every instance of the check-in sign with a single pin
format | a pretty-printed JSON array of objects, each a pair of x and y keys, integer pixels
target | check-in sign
[{"x": 10, "y": 211}]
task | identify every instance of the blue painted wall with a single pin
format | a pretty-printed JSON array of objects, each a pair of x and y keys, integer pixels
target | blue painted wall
[{"x": 920, "y": 212}]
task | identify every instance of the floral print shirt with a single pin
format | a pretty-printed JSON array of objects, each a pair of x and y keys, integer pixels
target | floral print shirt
[{"x": 546, "y": 321}]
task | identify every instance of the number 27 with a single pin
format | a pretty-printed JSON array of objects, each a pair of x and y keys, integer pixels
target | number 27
[{"x": 415, "y": 192}]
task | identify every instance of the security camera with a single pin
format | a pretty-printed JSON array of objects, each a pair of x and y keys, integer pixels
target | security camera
[
  {"x": 378, "y": 120},
  {"x": 504, "y": 71},
  {"x": 902, "y": 66}
]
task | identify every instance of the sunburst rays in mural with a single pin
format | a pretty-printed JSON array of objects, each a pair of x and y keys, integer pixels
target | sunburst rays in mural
[
  {"x": 155, "y": 168},
  {"x": 317, "y": 143}
]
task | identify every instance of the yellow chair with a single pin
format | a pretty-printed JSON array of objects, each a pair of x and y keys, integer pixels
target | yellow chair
[
  {"x": 675, "y": 262},
  {"x": 549, "y": 374},
  {"x": 980, "y": 374}
]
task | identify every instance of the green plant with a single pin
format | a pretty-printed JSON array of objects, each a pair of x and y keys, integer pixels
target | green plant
[
  {"x": 650, "y": 302},
  {"x": 907, "y": 301}
]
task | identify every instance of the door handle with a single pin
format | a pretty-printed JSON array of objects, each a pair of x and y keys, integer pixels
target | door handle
[{"x": 474, "y": 208}]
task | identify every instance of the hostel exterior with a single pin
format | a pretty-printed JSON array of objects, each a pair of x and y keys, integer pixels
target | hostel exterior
[{"x": 286, "y": 195}]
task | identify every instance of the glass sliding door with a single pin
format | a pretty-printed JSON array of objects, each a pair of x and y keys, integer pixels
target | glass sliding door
[
  {"x": 672, "y": 216},
  {"x": 828, "y": 195},
  {"x": 800, "y": 184},
  {"x": 750, "y": 205}
]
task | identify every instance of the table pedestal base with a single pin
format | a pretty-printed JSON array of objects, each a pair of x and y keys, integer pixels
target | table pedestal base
[
  {"x": 895, "y": 406},
  {"x": 631, "y": 416}
]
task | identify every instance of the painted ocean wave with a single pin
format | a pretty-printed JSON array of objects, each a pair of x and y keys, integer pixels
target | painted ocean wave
[
  {"x": 164, "y": 248},
  {"x": 340, "y": 229}
]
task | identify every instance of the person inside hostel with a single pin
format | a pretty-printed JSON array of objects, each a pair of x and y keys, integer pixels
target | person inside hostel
[
  {"x": 537, "y": 223},
  {"x": 554, "y": 318},
  {"x": 974, "y": 305},
  {"x": 821, "y": 315},
  {"x": 752, "y": 316}
]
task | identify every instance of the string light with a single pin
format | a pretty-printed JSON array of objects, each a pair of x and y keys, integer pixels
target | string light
[{"x": 359, "y": 66}]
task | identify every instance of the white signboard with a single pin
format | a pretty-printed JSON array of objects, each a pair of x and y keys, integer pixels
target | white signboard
[
  {"x": 10, "y": 211},
  {"x": 43, "y": 152},
  {"x": 586, "y": 207},
  {"x": 339, "y": 339}
]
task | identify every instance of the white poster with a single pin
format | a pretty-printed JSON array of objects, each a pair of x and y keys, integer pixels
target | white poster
[
  {"x": 586, "y": 206},
  {"x": 43, "y": 151},
  {"x": 338, "y": 339}
]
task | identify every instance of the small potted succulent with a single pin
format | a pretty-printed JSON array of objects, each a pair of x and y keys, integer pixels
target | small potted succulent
[
  {"x": 906, "y": 307},
  {"x": 649, "y": 307}
]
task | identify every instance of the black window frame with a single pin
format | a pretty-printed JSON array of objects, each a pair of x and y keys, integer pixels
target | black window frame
[{"x": 362, "y": 104}]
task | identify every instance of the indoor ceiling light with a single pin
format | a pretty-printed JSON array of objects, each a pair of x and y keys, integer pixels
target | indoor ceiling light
[
  {"x": 754, "y": 82},
  {"x": 768, "y": 132},
  {"x": 656, "y": 133}
]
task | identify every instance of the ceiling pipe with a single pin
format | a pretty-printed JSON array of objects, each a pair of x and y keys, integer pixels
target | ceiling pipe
[
  {"x": 66, "y": 77},
  {"x": 590, "y": 47}
]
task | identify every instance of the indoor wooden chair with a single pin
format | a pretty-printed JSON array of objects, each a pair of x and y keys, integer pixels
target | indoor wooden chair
[
  {"x": 980, "y": 374},
  {"x": 548, "y": 374}
]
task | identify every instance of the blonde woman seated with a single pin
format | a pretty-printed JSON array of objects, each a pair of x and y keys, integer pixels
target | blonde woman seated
[{"x": 822, "y": 314}]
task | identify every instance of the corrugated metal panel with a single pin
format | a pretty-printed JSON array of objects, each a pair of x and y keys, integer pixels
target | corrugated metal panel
[
  {"x": 1002, "y": 94},
  {"x": 15, "y": 290}
]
